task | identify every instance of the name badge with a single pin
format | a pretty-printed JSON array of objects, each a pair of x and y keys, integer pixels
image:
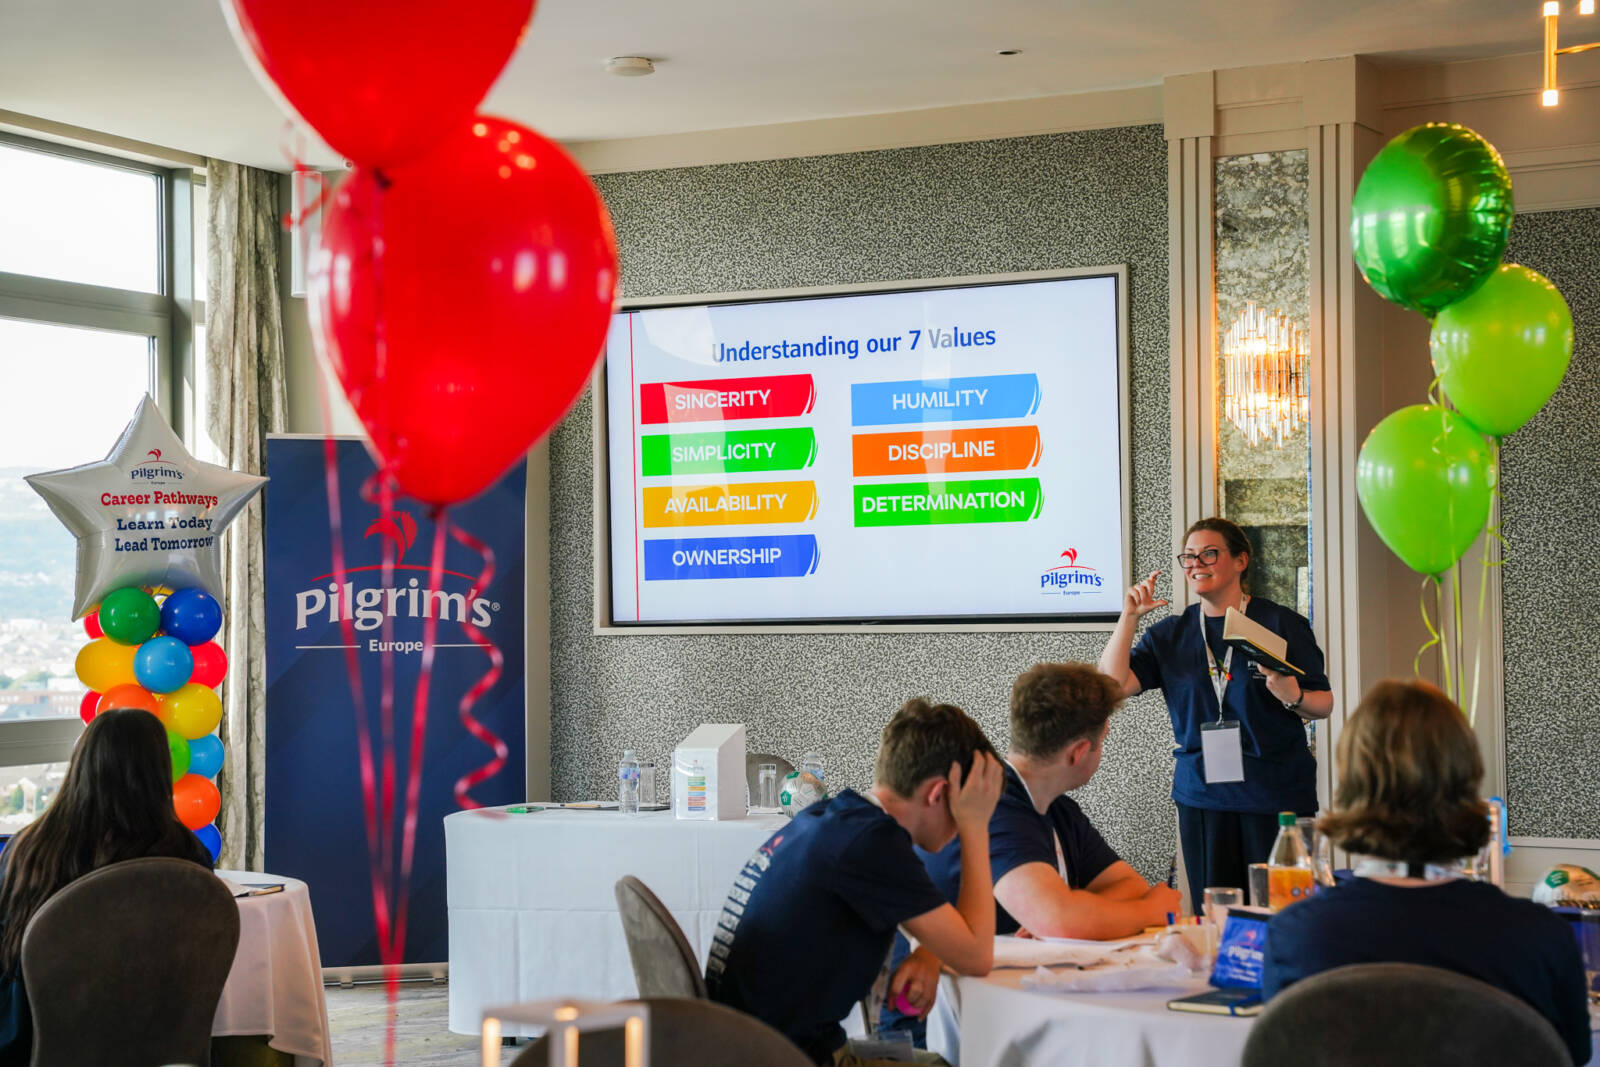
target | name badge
[{"x": 1222, "y": 751}]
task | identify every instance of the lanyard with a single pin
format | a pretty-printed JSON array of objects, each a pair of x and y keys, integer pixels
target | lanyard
[{"x": 1220, "y": 676}]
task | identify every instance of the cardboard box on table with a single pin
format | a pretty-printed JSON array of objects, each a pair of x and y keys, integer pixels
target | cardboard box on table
[{"x": 708, "y": 778}]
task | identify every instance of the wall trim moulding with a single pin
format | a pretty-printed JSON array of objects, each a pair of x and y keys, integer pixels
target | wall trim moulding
[
  {"x": 78, "y": 137},
  {"x": 997, "y": 120}
]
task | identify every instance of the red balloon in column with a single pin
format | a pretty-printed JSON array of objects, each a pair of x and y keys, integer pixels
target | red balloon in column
[
  {"x": 462, "y": 301},
  {"x": 382, "y": 81}
]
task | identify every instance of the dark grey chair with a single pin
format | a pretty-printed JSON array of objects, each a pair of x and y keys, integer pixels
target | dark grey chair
[
  {"x": 126, "y": 965},
  {"x": 684, "y": 1033},
  {"x": 1400, "y": 1015},
  {"x": 664, "y": 965}
]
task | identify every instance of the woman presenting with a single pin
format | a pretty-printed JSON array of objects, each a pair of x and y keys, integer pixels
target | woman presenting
[{"x": 1247, "y": 724}]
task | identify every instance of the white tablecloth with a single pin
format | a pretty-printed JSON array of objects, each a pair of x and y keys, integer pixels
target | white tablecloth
[
  {"x": 532, "y": 908},
  {"x": 1003, "y": 1024},
  {"x": 275, "y": 987}
]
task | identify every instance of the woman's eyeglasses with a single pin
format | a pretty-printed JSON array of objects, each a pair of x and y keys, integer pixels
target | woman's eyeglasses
[{"x": 1207, "y": 556}]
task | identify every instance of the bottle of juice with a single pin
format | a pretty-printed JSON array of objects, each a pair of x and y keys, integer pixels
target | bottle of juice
[{"x": 1289, "y": 875}]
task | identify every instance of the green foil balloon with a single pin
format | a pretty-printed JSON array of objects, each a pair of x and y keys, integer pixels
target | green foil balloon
[
  {"x": 1431, "y": 216},
  {"x": 1502, "y": 351},
  {"x": 179, "y": 748},
  {"x": 129, "y": 616},
  {"x": 1425, "y": 479}
]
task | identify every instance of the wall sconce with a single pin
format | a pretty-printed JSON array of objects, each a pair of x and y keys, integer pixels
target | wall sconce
[
  {"x": 1264, "y": 376},
  {"x": 1552, "y": 15},
  {"x": 564, "y": 1020}
]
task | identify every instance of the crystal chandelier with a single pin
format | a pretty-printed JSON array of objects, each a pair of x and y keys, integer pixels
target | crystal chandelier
[{"x": 1264, "y": 376}]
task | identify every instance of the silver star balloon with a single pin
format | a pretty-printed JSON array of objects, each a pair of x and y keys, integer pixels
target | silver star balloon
[{"x": 149, "y": 514}]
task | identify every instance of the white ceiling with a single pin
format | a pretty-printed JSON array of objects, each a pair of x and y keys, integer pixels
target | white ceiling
[{"x": 167, "y": 72}]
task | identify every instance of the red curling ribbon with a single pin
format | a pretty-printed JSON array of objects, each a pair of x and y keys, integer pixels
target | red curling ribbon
[{"x": 475, "y": 726}]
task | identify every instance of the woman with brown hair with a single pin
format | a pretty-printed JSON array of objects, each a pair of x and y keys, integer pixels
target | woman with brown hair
[
  {"x": 1241, "y": 749},
  {"x": 1407, "y": 808},
  {"x": 115, "y": 804}
]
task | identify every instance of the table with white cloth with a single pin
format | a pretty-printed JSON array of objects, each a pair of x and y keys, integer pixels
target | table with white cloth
[
  {"x": 275, "y": 987},
  {"x": 1004, "y": 1025},
  {"x": 532, "y": 908}
]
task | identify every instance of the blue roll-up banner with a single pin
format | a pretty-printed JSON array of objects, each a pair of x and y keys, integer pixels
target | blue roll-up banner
[{"x": 316, "y": 828}]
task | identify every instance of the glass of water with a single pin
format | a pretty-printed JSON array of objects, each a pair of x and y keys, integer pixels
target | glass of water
[
  {"x": 767, "y": 785},
  {"x": 1217, "y": 902}
]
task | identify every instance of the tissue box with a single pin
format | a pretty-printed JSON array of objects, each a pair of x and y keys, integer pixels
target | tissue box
[{"x": 708, "y": 779}]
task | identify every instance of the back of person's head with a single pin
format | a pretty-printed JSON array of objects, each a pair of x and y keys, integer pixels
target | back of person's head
[
  {"x": 922, "y": 741},
  {"x": 115, "y": 803},
  {"x": 1409, "y": 771},
  {"x": 1055, "y": 704}
]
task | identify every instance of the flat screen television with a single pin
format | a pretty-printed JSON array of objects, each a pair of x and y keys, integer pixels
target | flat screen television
[{"x": 945, "y": 452}]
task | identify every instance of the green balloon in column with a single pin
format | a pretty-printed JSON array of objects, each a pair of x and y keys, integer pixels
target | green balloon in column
[
  {"x": 129, "y": 616},
  {"x": 1502, "y": 351},
  {"x": 1426, "y": 478},
  {"x": 178, "y": 746},
  {"x": 1431, "y": 216}
]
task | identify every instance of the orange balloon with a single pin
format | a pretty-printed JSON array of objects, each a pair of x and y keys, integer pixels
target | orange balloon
[
  {"x": 103, "y": 664},
  {"x": 196, "y": 801},
  {"x": 129, "y": 696}
]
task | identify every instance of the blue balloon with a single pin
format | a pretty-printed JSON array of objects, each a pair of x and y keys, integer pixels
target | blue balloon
[
  {"x": 205, "y": 756},
  {"x": 191, "y": 615},
  {"x": 211, "y": 838},
  {"x": 163, "y": 664}
]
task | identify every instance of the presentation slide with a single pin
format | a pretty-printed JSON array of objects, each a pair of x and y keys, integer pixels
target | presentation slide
[{"x": 917, "y": 455}]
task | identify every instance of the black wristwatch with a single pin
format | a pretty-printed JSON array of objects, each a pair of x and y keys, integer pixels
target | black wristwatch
[{"x": 1301, "y": 699}]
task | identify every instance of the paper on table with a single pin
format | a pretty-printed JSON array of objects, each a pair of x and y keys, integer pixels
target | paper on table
[
  {"x": 234, "y": 887},
  {"x": 1110, "y": 979},
  {"x": 1057, "y": 952}
]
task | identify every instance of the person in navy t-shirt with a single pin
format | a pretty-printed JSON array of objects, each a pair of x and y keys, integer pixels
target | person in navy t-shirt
[
  {"x": 1407, "y": 800},
  {"x": 1054, "y": 875},
  {"x": 1225, "y": 823},
  {"x": 808, "y": 924}
]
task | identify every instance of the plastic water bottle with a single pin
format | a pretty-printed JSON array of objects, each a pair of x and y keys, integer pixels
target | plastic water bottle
[{"x": 628, "y": 784}]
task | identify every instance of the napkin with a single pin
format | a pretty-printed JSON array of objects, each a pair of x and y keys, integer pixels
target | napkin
[
  {"x": 1032, "y": 952},
  {"x": 1110, "y": 979}
]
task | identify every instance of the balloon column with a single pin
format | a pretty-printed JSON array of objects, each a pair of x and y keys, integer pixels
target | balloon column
[
  {"x": 1429, "y": 225},
  {"x": 147, "y": 515}
]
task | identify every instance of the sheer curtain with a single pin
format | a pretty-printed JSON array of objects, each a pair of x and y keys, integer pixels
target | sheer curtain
[{"x": 245, "y": 400}]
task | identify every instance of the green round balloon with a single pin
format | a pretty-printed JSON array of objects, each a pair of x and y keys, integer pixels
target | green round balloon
[
  {"x": 1431, "y": 216},
  {"x": 1502, "y": 351},
  {"x": 129, "y": 616},
  {"x": 1425, "y": 478},
  {"x": 179, "y": 748}
]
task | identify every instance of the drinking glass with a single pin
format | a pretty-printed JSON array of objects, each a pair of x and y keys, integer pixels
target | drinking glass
[
  {"x": 647, "y": 784},
  {"x": 1217, "y": 902},
  {"x": 767, "y": 785},
  {"x": 1259, "y": 883}
]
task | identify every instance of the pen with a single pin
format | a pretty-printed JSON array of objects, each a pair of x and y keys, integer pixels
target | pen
[{"x": 1172, "y": 872}]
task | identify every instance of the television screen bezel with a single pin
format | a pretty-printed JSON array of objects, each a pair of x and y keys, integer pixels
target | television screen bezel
[{"x": 605, "y": 624}]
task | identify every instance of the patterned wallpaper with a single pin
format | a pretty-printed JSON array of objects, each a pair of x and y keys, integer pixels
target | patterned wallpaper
[
  {"x": 1551, "y": 483},
  {"x": 1078, "y": 199}
]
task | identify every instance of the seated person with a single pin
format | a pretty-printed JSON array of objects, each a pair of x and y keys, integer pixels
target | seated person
[
  {"x": 1408, "y": 797},
  {"x": 115, "y": 804},
  {"x": 808, "y": 924},
  {"x": 1054, "y": 875}
]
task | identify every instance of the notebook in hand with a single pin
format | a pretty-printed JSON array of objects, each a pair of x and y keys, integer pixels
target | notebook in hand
[{"x": 1256, "y": 643}]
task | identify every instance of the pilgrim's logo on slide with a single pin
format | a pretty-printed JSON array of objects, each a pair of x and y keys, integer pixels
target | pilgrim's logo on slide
[
  {"x": 398, "y": 527},
  {"x": 1069, "y": 578}
]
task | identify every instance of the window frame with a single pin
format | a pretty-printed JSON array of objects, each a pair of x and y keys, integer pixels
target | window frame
[{"x": 167, "y": 317}]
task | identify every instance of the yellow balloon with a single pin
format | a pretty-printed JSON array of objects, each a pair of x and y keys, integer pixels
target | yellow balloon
[
  {"x": 103, "y": 664},
  {"x": 192, "y": 711}
]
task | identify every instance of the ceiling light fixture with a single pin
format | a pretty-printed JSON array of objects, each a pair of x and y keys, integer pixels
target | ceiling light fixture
[
  {"x": 630, "y": 66},
  {"x": 1551, "y": 96}
]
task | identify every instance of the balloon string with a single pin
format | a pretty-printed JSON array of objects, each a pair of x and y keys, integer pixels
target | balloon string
[
  {"x": 378, "y": 490},
  {"x": 1458, "y": 659},
  {"x": 474, "y": 726},
  {"x": 1494, "y": 555},
  {"x": 1433, "y": 634},
  {"x": 419, "y": 724}
]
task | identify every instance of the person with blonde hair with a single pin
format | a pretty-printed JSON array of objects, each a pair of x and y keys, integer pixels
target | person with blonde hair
[{"x": 1407, "y": 808}]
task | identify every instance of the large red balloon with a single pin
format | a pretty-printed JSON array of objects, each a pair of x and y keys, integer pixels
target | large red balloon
[
  {"x": 478, "y": 325},
  {"x": 382, "y": 81}
]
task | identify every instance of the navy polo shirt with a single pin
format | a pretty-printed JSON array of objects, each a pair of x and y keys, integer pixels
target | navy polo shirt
[
  {"x": 1280, "y": 774},
  {"x": 1019, "y": 834},
  {"x": 810, "y": 919},
  {"x": 1471, "y": 928}
]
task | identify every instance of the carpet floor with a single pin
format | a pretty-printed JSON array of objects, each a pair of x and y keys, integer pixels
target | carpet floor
[{"x": 358, "y": 1018}]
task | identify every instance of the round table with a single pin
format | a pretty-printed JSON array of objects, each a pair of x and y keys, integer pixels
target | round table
[
  {"x": 275, "y": 986},
  {"x": 1003, "y": 1024}
]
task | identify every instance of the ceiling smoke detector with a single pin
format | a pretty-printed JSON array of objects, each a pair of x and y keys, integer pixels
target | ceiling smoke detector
[
  {"x": 1009, "y": 52},
  {"x": 630, "y": 66}
]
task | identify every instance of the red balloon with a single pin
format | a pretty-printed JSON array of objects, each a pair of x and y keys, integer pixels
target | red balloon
[
  {"x": 129, "y": 696},
  {"x": 89, "y": 705},
  {"x": 492, "y": 296},
  {"x": 210, "y": 664},
  {"x": 382, "y": 81},
  {"x": 196, "y": 800},
  {"x": 91, "y": 625}
]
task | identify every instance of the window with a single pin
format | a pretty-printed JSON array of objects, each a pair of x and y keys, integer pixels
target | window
[{"x": 91, "y": 318}]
